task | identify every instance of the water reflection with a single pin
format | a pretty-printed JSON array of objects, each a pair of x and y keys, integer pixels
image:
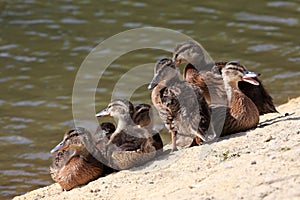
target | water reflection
[
  {"x": 42, "y": 45},
  {"x": 244, "y": 16}
]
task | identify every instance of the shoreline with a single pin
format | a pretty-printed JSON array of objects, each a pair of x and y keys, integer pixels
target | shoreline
[{"x": 258, "y": 164}]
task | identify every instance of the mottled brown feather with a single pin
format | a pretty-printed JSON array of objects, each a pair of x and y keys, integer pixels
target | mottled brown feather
[
  {"x": 193, "y": 54},
  {"x": 135, "y": 142},
  {"x": 181, "y": 105},
  {"x": 75, "y": 167}
]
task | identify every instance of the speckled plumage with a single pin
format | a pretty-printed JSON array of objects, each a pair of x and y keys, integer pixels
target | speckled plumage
[
  {"x": 130, "y": 144},
  {"x": 73, "y": 164},
  {"x": 181, "y": 105}
]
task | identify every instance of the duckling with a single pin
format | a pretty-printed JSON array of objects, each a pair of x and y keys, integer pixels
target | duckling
[
  {"x": 143, "y": 116},
  {"x": 130, "y": 145},
  {"x": 242, "y": 113},
  {"x": 191, "y": 52},
  {"x": 73, "y": 164},
  {"x": 123, "y": 110},
  {"x": 181, "y": 105}
]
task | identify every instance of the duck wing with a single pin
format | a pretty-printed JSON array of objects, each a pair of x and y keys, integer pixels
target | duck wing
[
  {"x": 259, "y": 95},
  {"x": 187, "y": 110}
]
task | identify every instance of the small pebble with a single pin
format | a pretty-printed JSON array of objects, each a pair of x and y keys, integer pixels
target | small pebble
[
  {"x": 268, "y": 139},
  {"x": 253, "y": 162},
  {"x": 195, "y": 186},
  {"x": 96, "y": 190}
]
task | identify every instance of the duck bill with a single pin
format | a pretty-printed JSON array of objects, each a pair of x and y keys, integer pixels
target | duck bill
[
  {"x": 61, "y": 146},
  {"x": 249, "y": 77},
  {"x": 153, "y": 83},
  {"x": 176, "y": 61},
  {"x": 103, "y": 113}
]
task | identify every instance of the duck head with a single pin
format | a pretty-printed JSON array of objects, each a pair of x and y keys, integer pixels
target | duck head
[
  {"x": 233, "y": 73},
  {"x": 186, "y": 52},
  {"x": 192, "y": 52},
  {"x": 164, "y": 71},
  {"x": 73, "y": 139},
  {"x": 120, "y": 109}
]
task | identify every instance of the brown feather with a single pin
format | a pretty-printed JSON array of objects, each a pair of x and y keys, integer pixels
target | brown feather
[
  {"x": 74, "y": 167},
  {"x": 242, "y": 113},
  {"x": 181, "y": 105},
  {"x": 192, "y": 53},
  {"x": 134, "y": 141}
]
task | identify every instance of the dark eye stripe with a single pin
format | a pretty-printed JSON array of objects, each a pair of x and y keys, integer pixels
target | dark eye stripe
[
  {"x": 72, "y": 133},
  {"x": 183, "y": 47},
  {"x": 164, "y": 60},
  {"x": 236, "y": 68},
  {"x": 114, "y": 105}
]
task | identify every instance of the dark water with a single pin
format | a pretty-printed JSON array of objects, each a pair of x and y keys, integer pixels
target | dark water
[{"x": 43, "y": 44}]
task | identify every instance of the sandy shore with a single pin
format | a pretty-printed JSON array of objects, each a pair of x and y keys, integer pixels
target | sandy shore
[{"x": 260, "y": 164}]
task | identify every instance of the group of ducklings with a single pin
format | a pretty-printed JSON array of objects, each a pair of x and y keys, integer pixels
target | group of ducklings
[
  {"x": 214, "y": 99},
  {"x": 82, "y": 157}
]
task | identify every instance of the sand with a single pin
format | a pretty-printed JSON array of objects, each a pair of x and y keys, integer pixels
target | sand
[{"x": 259, "y": 164}]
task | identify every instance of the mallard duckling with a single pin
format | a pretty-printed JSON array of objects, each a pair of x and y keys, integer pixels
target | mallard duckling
[
  {"x": 181, "y": 105},
  {"x": 73, "y": 164},
  {"x": 130, "y": 145},
  {"x": 191, "y": 52},
  {"x": 143, "y": 116},
  {"x": 242, "y": 113}
]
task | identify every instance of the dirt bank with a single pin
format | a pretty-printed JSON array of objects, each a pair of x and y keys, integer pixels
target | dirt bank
[{"x": 260, "y": 164}]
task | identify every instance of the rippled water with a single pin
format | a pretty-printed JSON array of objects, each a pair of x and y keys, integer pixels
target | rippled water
[{"x": 43, "y": 44}]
